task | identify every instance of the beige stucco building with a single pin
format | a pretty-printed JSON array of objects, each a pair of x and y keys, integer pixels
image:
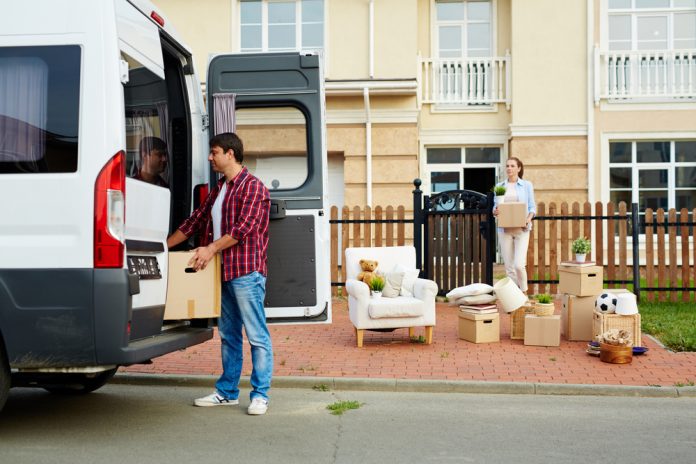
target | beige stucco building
[{"x": 597, "y": 97}]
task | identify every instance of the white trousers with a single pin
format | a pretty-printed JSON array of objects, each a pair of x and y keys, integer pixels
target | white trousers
[{"x": 513, "y": 247}]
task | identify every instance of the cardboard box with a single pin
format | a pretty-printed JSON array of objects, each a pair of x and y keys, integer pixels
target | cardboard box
[
  {"x": 576, "y": 317},
  {"x": 479, "y": 328},
  {"x": 580, "y": 280},
  {"x": 192, "y": 295},
  {"x": 512, "y": 214},
  {"x": 542, "y": 330},
  {"x": 604, "y": 322}
]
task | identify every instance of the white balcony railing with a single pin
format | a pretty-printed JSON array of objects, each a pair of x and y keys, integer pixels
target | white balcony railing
[
  {"x": 467, "y": 82},
  {"x": 645, "y": 75}
]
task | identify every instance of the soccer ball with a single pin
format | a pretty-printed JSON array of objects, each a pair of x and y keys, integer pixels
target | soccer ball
[{"x": 606, "y": 303}]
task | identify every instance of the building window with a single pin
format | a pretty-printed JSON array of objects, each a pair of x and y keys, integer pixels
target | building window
[
  {"x": 463, "y": 28},
  {"x": 654, "y": 174},
  {"x": 281, "y": 25},
  {"x": 652, "y": 24},
  {"x": 466, "y": 168}
]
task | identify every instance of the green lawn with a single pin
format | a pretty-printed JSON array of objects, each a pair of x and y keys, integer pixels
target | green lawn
[{"x": 674, "y": 324}]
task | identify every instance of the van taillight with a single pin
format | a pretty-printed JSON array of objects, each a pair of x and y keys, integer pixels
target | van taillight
[
  {"x": 200, "y": 193},
  {"x": 110, "y": 214}
]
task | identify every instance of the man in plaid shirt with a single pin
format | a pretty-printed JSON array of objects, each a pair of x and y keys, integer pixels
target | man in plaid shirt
[{"x": 235, "y": 220}]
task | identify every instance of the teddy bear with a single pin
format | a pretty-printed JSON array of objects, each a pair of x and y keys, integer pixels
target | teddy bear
[{"x": 368, "y": 267}]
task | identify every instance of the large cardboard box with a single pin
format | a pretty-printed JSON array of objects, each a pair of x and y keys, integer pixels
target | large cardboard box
[
  {"x": 542, "y": 330},
  {"x": 192, "y": 295},
  {"x": 512, "y": 214},
  {"x": 576, "y": 317},
  {"x": 479, "y": 328},
  {"x": 580, "y": 280}
]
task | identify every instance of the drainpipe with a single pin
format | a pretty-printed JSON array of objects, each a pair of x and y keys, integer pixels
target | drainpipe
[
  {"x": 368, "y": 145},
  {"x": 590, "y": 105},
  {"x": 371, "y": 52}
]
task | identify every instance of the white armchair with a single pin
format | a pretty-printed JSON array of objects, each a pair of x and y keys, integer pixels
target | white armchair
[{"x": 408, "y": 310}]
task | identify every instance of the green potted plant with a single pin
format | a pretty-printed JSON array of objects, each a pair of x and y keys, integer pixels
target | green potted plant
[
  {"x": 544, "y": 305},
  {"x": 581, "y": 246},
  {"x": 498, "y": 190},
  {"x": 377, "y": 285}
]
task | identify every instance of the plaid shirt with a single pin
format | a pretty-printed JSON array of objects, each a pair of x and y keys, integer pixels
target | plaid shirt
[{"x": 245, "y": 211}]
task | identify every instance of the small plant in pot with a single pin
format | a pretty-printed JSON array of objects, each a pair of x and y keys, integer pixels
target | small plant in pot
[
  {"x": 544, "y": 305},
  {"x": 377, "y": 285},
  {"x": 581, "y": 246},
  {"x": 498, "y": 190}
]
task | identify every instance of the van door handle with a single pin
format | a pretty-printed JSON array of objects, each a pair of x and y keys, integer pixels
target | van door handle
[{"x": 277, "y": 209}]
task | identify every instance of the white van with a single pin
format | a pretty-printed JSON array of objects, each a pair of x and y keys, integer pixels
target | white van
[{"x": 85, "y": 212}]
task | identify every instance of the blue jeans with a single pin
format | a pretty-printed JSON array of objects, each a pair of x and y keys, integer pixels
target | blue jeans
[{"x": 242, "y": 305}]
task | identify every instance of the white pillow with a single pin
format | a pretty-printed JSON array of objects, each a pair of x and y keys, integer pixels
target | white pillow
[
  {"x": 469, "y": 290},
  {"x": 410, "y": 276},
  {"x": 477, "y": 299},
  {"x": 392, "y": 284}
]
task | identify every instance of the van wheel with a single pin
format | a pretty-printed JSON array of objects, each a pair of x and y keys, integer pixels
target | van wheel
[
  {"x": 80, "y": 384},
  {"x": 5, "y": 381}
]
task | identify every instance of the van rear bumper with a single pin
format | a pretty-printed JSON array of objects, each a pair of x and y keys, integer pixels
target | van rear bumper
[{"x": 142, "y": 350}]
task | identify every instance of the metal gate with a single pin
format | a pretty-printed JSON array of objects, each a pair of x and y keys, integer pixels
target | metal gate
[{"x": 454, "y": 235}]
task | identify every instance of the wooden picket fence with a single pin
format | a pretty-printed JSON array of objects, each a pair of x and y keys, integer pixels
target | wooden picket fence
[
  {"x": 364, "y": 227},
  {"x": 662, "y": 275}
]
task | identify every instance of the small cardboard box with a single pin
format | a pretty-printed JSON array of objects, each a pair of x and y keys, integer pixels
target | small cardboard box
[
  {"x": 192, "y": 295},
  {"x": 542, "y": 330},
  {"x": 479, "y": 328},
  {"x": 576, "y": 317},
  {"x": 512, "y": 214},
  {"x": 580, "y": 280}
]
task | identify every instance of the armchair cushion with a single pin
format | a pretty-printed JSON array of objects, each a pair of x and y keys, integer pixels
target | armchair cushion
[
  {"x": 400, "y": 306},
  {"x": 392, "y": 284},
  {"x": 410, "y": 276}
]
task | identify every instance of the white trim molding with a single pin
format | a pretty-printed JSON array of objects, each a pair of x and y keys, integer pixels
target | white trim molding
[
  {"x": 376, "y": 87},
  {"x": 550, "y": 130},
  {"x": 643, "y": 106}
]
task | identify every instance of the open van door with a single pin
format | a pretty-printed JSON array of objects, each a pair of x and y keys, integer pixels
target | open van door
[{"x": 275, "y": 103}]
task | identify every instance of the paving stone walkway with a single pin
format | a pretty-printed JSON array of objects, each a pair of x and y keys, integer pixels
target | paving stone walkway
[{"x": 330, "y": 351}]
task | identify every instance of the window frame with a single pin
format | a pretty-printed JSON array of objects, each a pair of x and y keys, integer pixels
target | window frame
[
  {"x": 429, "y": 168},
  {"x": 298, "y": 23},
  {"x": 463, "y": 23},
  {"x": 635, "y": 13}
]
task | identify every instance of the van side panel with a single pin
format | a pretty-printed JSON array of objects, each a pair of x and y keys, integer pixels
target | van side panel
[{"x": 51, "y": 307}]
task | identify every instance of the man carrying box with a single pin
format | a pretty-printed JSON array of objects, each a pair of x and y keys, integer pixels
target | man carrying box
[{"x": 235, "y": 216}]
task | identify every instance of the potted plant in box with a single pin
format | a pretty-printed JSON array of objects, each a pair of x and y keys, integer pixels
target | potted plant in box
[
  {"x": 581, "y": 246},
  {"x": 544, "y": 305},
  {"x": 377, "y": 285}
]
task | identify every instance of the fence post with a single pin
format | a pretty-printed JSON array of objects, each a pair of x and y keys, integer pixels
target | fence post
[
  {"x": 491, "y": 232},
  {"x": 418, "y": 222},
  {"x": 635, "y": 218}
]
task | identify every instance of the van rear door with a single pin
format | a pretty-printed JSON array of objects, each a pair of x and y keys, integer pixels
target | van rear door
[{"x": 275, "y": 103}]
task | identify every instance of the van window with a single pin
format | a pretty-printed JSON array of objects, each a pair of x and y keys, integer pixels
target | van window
[
  {"x": 275, "y": 145},
  {"x": 39, "y": 109},
  {"x": 147, "y": 125}
]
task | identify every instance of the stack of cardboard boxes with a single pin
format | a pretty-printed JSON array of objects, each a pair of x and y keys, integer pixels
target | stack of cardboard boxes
[{"x": 580, "y": 285}]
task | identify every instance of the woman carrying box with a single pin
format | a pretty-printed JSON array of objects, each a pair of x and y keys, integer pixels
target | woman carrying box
[{"x": 514, "y": 241}]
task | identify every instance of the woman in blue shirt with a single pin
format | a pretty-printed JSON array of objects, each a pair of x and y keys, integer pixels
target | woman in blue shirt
[{"x": 514, "y": 241}]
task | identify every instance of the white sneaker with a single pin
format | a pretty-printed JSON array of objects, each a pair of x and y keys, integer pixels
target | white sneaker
[
  {"x": 214, "y": 399},
  {"x": 258, "y": 406}
]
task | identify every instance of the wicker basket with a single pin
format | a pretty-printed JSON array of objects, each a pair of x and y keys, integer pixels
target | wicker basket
[
  {"x": 517, "y": 322},
  {"x": 544, "y": 309},
  {"x": 603, "y": 322}
]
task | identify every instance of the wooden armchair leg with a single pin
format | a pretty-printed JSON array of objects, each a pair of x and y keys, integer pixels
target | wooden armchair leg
[
  {"x": 359, "y": 336},
  {"x": 411, "y": 332},
  {"x": 429, "y": 335}
]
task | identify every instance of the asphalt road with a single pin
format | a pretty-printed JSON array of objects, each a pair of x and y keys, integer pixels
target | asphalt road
[{"x": 157, "y": 424}]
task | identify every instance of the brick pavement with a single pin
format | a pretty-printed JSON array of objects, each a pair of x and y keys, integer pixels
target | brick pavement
[{"x": 330, "y": 351}]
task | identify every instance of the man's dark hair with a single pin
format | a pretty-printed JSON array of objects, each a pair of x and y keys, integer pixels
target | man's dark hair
[
  {"x": 147, "y": 144},
  {"x": 229, "y": 141}
]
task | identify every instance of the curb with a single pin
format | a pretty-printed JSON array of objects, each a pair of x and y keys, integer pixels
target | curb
[{"x": 418, "y": 386}]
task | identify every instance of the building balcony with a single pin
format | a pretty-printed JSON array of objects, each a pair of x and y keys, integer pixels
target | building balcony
[
  {"x": 645, "y": 76},
  {"x": 464, "y": 84}
]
